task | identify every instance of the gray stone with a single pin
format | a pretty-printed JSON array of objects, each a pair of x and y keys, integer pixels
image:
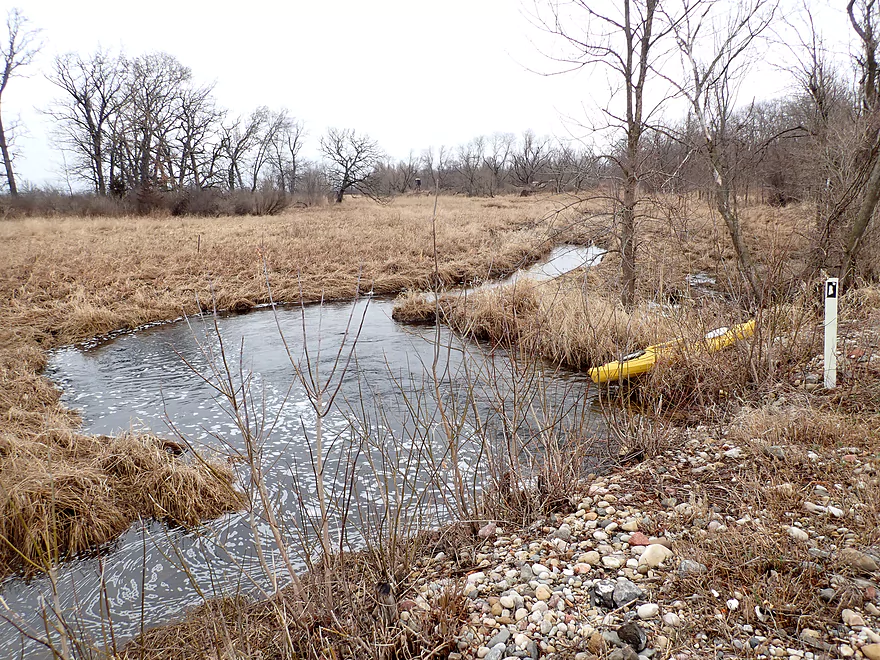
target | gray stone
[
  {"x": 500, "y": 637},
  {"x": 634, "y": 635},
  {"x": 602, "y": 593},
  {"x": 533, "y": 650},
  {"x": 689, "y": 567},
  {"x": 775, "y": 451},
  {"x": 827, "y": 595},
  {"x": 626, "y": 592},
  {"x": 564, "y": 533},
  {"x": 626, "y": 653},
  {"x": 612, "y": 638},
  {"x": 497, "y": 652},
  {"x": 526, "y": 573}
]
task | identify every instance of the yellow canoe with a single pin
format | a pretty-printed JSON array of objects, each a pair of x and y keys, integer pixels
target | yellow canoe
[{"x": 642, "y": 361}]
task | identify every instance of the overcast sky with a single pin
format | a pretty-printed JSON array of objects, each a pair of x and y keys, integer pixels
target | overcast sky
[{"x": 410, "y": 74}]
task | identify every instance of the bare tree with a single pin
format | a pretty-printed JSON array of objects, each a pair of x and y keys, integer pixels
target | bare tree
[
  {"x": 143, "y": 134},
  {"x": 286, "y": 145},
  {"x": 468, "y": 163},
  {"x": 273, "y": 126},
  {"x": 94, "y": 93},
  {"x": 239, "y": 138},
  {"x": 19, "y": 50},
  {"x": 530, "y": 159},
  {"x": 711, "y": 87},
  {"x": 198, "y": 125},
  {"x": 497, "y": 160},
  {"x": 352, "y": 159},
  {"x": 622, "y": 37},
  {"x": 407, "y": 171},
  {"x": 864, "y": 16},
  {"x": 824, "y": 109},
  {"x": 435, "y": 165}
]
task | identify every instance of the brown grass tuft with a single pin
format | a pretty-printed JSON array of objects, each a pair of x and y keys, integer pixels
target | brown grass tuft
[
  {"x": 65, "y": 494},
  {"x": 363, "y": 617}
]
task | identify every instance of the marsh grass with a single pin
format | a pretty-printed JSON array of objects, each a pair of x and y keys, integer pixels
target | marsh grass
[{"x": 66, "y": 494}]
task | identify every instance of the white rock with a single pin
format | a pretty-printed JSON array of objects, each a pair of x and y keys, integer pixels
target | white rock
[
  {"x": 612, "y": 561},
  {"x": 797, "y": 534},
  {"x": 672, "y": 620},
  {"x": 521, "y": 641},
  {"x": 732, "y": 604},
  {"x": 507, "y": 602},
  {"x": 654, "y": 555},
  {"x": 521, "y": 614},
  {"x": 543, "y": 592},
  {"x": 648, "y": 610}
]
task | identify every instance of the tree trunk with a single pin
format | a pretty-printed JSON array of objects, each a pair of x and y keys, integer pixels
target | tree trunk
[
  {"x": 7, "y": 161},
  {"x": 866, "y": 212},
  {"x": 339, "y": 195},
  {"x": 628, "y": 242},
  {"x": 731, "y": 219}
]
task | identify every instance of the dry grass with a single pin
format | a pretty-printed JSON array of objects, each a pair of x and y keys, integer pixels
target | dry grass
[
  {"x": 65, "y": 493},
  {"x": 678, "y": 236},
  {"x": 569, "y": 321},
  {"x": 64, "y": 280},
  {"x": 366, "y": 617},
  {"x": 755, "y": 495}
]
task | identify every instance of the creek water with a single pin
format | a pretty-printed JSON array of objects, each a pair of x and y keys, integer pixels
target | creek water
[{"x": 398, "y": 390}]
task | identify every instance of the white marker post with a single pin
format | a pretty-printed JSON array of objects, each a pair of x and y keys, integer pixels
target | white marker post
[{"x": 831, "y": 291}]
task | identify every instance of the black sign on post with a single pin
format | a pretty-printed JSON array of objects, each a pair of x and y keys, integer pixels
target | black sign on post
[{"x": 831, "y": 289}]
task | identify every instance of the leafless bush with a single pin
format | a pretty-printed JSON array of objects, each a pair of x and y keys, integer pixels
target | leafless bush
[{"x": 52, "y": 203}]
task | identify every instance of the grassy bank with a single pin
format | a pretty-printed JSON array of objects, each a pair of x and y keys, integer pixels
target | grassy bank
[{"x": 64, "y": 280}]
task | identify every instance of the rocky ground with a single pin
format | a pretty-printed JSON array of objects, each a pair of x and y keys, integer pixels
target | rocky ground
[{"x": 724, "y": 547}]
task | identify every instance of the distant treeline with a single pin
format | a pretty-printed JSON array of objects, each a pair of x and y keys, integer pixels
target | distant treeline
[{"x": 143, "y": 126}]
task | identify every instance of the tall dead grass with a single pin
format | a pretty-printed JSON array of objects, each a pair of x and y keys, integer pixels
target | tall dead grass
[
  {"x": 566, "y": 321},
  {"x": 65, "y": 493}
]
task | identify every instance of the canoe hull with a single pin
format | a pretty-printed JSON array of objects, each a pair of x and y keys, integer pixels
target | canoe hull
[{"x": 714, "y": 341}]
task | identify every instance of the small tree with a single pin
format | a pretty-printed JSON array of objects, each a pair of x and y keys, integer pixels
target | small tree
[
  {"x": 711, "y": 87},
  {"x": 352, "y": 159},
  {"x": 623, "y": 38},
  {"x": 18, "y": 51}
]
